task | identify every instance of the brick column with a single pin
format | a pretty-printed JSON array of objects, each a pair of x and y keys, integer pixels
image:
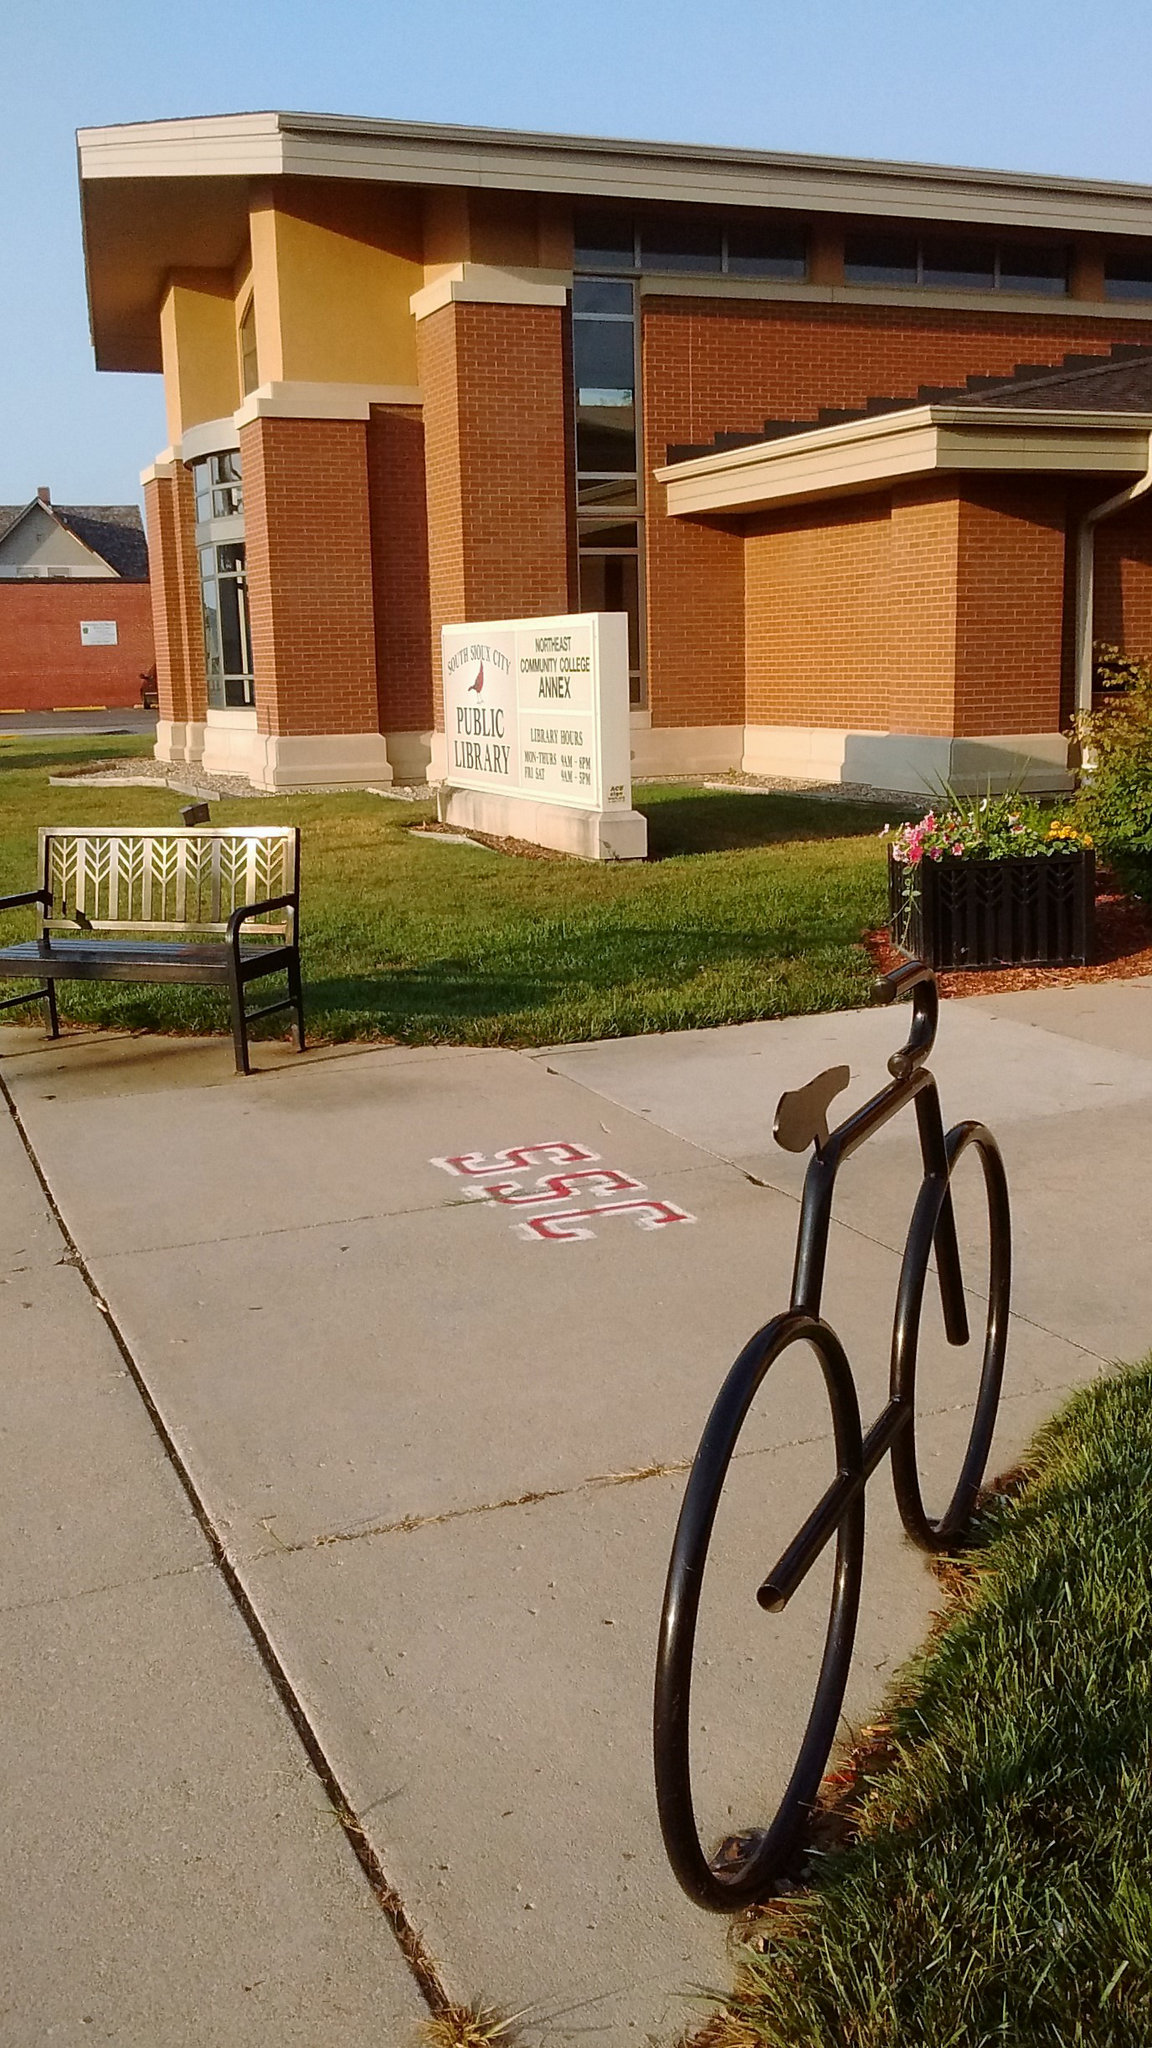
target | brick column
[
  {"x": 493, "y": 380},
  {"x": 399, "y": 516},
  {"x": 309, "y": 561},
  {"x": 177, "y": 615}
]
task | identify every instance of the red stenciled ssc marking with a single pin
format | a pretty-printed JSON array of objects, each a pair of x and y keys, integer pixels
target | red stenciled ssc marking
[
  {"x": 557, "y": 1187},
  {"x": 570, "y": 1228},
  {"x": 558, "y": 1152}
]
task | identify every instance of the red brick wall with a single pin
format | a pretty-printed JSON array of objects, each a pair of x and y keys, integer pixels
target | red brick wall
[
  {"x": 936, "y": 610},
  {"x": 399, "y": 516},
  {"x": 497, "y": 460},
  {"x": 1123, "y": 587},
  {"x": 309, "y": 558},
  {"x": 722, "y": 366},
  {"x": 43, "y": 666},
  {"x": 1010, "y": 606},
  {"x": 177, "y": 615},
  {"x": 817, "y": 615}
]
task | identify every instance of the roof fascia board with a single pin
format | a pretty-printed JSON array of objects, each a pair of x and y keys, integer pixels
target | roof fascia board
[
  {"x": 866, "y": 455},
  {"x": 819, "y": 471},
  {"x": 1079, "y": 450},
  {"x": 877, "y": 427},
  {"x": 228, "y": 145},
  {"x": 419, "y": 153}
]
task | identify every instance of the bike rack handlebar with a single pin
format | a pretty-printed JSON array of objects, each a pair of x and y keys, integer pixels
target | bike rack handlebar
[{"x": 913, "y": 976}]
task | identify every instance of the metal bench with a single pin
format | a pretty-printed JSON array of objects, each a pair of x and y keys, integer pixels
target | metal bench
[{"x": 174, "y": 903}]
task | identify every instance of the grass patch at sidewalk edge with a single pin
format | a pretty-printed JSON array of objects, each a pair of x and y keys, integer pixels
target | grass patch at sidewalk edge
[{"x": 998, "y": 1893}]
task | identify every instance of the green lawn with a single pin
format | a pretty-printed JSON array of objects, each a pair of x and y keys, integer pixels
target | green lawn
[
  {"x": 1000, "y": 1894},
  {"x": 752, "y": 906}
]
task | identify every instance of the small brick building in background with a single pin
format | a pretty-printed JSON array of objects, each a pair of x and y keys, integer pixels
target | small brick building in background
[
  {"x": 75, "y": 606},
  {"x": 858, "y": 448}
]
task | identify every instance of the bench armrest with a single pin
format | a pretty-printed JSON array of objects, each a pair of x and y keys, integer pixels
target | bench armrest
[
  {"x": 255, "y": 910},
  {"x": 29, "y": 896}
]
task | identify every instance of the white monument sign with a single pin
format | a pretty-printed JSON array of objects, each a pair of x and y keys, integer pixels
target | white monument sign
[
  {"x": 98, "y": 633},
  {"x": 537, "y": 740}
]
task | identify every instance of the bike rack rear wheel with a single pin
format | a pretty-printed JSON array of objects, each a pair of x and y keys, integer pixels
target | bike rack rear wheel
[
  {"x": 725, "y": 1887},
  {"x": 950, "y": 1527}
]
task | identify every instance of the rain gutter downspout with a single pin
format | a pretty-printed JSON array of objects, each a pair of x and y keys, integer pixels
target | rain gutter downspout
[{"x": 1086, "y": 577}]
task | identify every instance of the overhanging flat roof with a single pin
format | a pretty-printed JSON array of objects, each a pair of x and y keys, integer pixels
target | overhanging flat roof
[
  {"x": 926, "y": 440},
  {"x": 196, "y": 173},
  {"x": 425, "y": 153}
]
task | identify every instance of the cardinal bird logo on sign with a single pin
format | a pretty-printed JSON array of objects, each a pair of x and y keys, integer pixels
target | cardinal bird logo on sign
[{"x": 478, "y": 685}]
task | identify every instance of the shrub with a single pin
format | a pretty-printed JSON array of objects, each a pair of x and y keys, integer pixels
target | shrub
[
  {"x": 1112, "y": 669},
  {"x": 1115, "y": 802}
]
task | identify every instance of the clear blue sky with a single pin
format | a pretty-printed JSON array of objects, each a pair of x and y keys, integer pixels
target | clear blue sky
[{"x": 1040, "y": 85}]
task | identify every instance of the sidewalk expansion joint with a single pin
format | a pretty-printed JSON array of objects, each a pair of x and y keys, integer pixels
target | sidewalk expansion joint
[{"x": 408, "y": 1936}]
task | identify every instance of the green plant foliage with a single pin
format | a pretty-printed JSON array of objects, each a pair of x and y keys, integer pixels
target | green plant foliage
[
  {"x": 752, "y": 905},
  {"x": 1115, "y": 801},
  {"x": 1112, "y": 669},
  {"x": 1000, "y": 1892},
  {"x": 1006, "y": 827}
]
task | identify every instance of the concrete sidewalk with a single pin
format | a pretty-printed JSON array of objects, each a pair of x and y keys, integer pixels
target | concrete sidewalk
[{"x": 442, "y": 1448}]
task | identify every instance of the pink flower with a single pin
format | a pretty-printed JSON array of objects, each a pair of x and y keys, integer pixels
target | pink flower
[{"x": 957, "y": 848}]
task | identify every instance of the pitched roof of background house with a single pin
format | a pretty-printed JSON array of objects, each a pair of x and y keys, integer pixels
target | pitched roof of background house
[{"x": 114, "y": 532}]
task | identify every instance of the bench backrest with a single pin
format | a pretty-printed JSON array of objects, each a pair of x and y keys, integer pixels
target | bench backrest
[{"x": 169, "y": 878}]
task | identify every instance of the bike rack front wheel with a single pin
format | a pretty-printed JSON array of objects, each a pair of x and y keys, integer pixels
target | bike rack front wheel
[
  {"x": 724, "y": 1886},
  {"x": 950, "y": 1527}
]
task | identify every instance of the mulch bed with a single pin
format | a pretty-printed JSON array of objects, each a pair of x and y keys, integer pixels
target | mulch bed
[{"x": 1123, "y": 952}]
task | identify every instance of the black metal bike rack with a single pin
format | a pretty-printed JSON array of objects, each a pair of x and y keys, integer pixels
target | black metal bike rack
[{"x": 748, "y": 1865}]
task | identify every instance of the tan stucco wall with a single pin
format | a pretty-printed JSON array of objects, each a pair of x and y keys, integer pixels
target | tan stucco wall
[
  {"x": 198, "y": 341},
  {"x": 333, "y": 273},
  {"x": 513, "y": 230}
]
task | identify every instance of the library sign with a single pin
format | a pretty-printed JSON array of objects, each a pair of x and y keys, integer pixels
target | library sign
[{"x": 536, "y": 713}]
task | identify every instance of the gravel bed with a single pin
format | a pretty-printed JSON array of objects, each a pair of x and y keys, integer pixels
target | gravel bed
[
  {"x": 821, "y": 792},
  {"x": 190, "y": 780}
]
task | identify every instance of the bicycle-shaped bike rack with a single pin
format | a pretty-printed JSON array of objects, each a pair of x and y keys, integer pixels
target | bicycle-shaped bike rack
[{"x": 747, "y": 1866}]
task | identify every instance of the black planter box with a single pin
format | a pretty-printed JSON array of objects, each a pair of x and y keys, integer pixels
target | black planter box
[{"x": 1035, "y": 912}]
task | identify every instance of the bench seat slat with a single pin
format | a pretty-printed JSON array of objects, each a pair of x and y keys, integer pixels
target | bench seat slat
[{"x": 124, "y": 960}]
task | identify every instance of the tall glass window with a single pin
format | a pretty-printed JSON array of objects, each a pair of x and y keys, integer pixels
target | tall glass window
[
  {"x": 609, "y": 499},
  {"x": 219, "y": 496}
]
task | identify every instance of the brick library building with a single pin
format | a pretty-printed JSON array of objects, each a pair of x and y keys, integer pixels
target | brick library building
[{"x": 861, "y": 449}]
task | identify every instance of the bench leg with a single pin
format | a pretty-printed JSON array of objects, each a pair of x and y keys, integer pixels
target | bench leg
[
  {"x": 239, "y": 1025},
  {"x": 296, "y": 992},
  {"x": 53, "y": 1015}
]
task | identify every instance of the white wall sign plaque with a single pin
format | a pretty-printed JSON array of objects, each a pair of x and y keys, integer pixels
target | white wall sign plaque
[
  {"x": 536, "y": 724},
  {"x": 98, "y": 633}
]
